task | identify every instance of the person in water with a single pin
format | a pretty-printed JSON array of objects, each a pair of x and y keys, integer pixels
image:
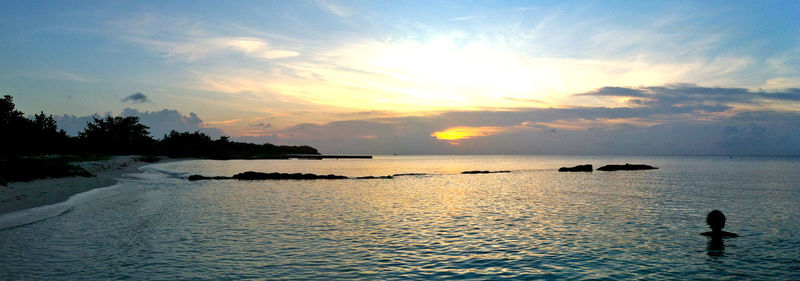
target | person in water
[{"x": 716, "y": 220}]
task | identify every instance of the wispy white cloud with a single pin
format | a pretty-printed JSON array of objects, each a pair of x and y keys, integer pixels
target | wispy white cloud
[
  {"x": 192, "y": 40},
  {"x": 334, "y": 8},
  {"x": 418, "y": 69},
  {"x": 76, "y": 77},
  {"x": 467, "y": 18}
]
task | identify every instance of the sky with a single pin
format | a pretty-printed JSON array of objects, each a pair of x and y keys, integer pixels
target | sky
[{"x": 421, "y": 77}]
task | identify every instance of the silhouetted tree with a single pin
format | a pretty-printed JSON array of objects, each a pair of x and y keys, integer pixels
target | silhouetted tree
[
  {"x": 8, "y": 111},
  {"x": 200, "y": 145},
  {"x": 20, "y": 137},
  {"x": 185, "y": 144},
  {"x": 45, "y": 137},
  {"x": 116, "y": 135},
  {"x": 23, "y": 136},
  {"x": 12, "y": 123}
]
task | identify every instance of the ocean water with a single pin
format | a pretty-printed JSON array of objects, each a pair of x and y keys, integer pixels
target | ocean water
[{"x": 531, "y": 223}]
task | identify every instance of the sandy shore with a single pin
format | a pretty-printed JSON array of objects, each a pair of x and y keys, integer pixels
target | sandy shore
[{"x": 25, "y": 195}]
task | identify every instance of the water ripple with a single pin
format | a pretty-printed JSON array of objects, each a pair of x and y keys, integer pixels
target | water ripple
[{"x": 533, "y": 223}]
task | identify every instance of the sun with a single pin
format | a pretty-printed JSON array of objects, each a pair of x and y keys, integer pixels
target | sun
[{"x": 464, "y": 132}]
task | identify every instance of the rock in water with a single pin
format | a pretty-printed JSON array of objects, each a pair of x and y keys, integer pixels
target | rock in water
[
  {"x": 202, "y": 177},
  {"x": 626, "y": 167},
  {"x": 484, "y": 172},
  {"x": 579, "y": 168},
  {"x": 375, "y": 177},
  {"x": 250, "y": 175}
]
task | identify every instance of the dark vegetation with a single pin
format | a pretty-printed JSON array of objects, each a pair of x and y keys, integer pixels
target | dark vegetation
[
  {"x": 34, "y": 147},
  {"x": 200, "y": 145},
  {"x": 26, "y": 169}
]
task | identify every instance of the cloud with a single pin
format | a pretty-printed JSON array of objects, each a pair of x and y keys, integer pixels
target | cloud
[
  {"x": 160, "y": 122},
  {"x": 136, "y": 98},
  {"x": 524, "y": 100},
  {"x": 692, "y": 98},
  {"x": 776, "y": 135},
  {"x": 261, "y": 124},
  {"x": 258, "y": 48},
  {"x": 223, "y": 122},
  {"x": 76, "y": 77},
  {"x": 615, "y": 92},
  {"x": 191, "y": 40},
  {"x": 419, "y": 68},
  {"x": 74, "y": 124},
  {"x": 467, "y": 18},
  {"x": 672, "y": 119},
  {"x": 334, "y": 8}
]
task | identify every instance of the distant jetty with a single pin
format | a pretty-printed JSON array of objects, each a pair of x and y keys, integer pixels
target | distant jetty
[{"x": 329, "y": 156}]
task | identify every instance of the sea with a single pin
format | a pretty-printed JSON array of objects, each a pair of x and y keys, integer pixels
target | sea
[{"x": 429, "y": 222}]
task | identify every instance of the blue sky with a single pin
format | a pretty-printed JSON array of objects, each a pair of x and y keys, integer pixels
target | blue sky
[{"x": 308, "y": 71}]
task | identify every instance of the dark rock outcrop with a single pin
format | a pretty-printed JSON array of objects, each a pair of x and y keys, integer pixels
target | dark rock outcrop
[
  {"x": 202, "y": 177},
  {"x": 374, "y": 177},
  {"x": 579, "y": 168},
  {"x": 250, "y": 175},
  {"x": 626, "y": 167},
  {"x": 410, "y": 174},
  {"x": 484, "y": 172}
]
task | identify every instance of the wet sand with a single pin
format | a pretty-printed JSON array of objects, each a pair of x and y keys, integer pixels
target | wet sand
[{"x": 25, "y": 195}]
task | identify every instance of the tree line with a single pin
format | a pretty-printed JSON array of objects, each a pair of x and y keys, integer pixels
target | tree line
[{"x": 117, "y": 135}]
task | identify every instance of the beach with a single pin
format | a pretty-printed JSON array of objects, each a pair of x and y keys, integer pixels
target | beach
[{"x": 18, "y": 196}]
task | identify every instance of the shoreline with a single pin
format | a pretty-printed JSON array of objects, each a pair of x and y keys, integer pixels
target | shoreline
[{"x": 18, "y": 196}]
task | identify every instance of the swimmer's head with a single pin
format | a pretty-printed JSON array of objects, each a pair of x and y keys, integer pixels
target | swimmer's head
[{"x": 715, "y": 220}]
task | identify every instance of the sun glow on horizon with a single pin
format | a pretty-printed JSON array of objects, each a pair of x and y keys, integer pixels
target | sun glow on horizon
[
  {"x": 454, "y": 134},
  {"x": 441, "y": 73}
]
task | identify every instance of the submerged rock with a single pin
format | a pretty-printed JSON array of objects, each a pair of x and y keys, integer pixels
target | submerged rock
[
  {"x": 579, "y": 168},
  {"x": 484, "y": 172},
  {"x": 626, "y": 167}
]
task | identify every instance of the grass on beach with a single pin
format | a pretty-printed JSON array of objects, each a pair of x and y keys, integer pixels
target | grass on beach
[{"x": 31, "y": 168}]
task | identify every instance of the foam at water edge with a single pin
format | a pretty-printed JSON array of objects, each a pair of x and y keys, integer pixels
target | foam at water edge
[
  {"x": 32, "y": 215},
  {"x": 28, "y": 216}
]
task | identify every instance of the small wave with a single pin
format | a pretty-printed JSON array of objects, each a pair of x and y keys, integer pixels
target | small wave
[
  {"x": 37, "y": 214},
  {"x": 33, "y": 215},
  {"x": 173, "y": 174}
]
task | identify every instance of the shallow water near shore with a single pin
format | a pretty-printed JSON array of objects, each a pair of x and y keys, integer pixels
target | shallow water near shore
[{"x": 533, "y": 222}]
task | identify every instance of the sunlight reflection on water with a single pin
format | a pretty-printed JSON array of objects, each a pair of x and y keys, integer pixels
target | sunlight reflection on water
[{"x": 531, "y": 223}]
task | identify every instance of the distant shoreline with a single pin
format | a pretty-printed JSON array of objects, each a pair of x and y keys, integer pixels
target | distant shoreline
[{"x": 19, "y": 196}]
